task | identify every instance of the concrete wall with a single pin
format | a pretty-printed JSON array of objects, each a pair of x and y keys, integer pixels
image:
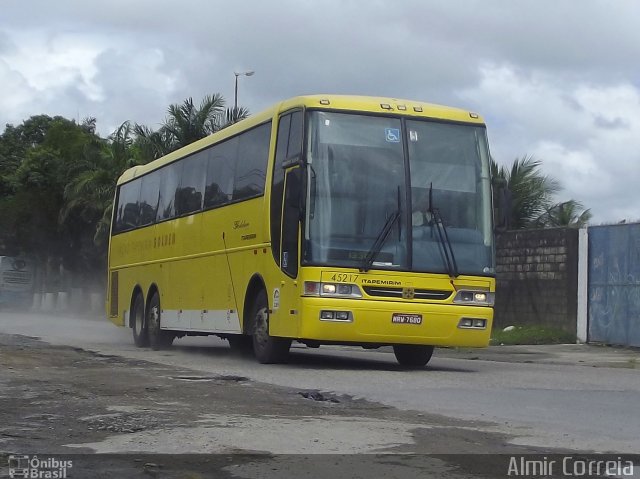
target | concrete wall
[{"x": 537, "y": 278}]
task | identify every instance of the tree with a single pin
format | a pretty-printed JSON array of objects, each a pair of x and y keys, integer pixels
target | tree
[
  {"x": 14, "y": 143},
  {"x": 234, "y": 115},
  {"x": 567, "y": 213},
  {"x": 89, "y": 195},
  {"x": 531, "y": 191},
  {"x": 187, "y": 123},
  {"x": 57, "y": 178},
  {"x": 46, "y": 154},
  {"x": 152, "y": 145},
  {"x": 531, "y": 195}
]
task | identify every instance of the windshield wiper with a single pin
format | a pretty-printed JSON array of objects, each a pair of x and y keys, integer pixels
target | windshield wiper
[
  {"x": 443, "y": 237},
  {"x": 379, "y": 242}
]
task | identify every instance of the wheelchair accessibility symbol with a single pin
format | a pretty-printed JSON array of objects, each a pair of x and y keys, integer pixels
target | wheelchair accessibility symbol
[{"x": 392, "y": 135}]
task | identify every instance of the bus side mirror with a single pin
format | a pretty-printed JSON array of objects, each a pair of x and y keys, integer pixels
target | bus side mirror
[{"x": 502, "y": 204}]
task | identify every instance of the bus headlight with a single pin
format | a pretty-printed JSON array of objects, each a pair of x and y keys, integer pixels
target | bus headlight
[
  {"x": 337, "y": 290},
  {"x": 328, "y": 289},
  {"x": 474, "y": 297}
]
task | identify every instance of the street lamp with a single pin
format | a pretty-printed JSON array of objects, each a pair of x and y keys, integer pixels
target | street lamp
[{"x": 237, "y": 74}]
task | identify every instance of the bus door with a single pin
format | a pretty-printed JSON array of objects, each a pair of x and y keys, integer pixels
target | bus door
[
  {"x": 285, "y": 209},
  {"x": 290, "y": 241}
]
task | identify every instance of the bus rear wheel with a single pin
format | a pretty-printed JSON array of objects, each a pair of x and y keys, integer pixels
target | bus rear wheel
[
  {"x": 267, "y": 349},
  {"x": 412, "y": 356},
  {"x": 158, "y": 338},
  {"x": 139, "y": 324}
]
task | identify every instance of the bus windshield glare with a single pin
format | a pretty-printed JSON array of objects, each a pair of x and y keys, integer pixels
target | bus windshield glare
[{"x": 365, "y": 170}]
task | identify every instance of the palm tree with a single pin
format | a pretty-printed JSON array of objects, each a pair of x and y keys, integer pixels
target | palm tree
[
  {"x": 90, "y": 193},
  {"x": 234, "y": 115},
  {"x": 531, "y": 191},
  {"x": 568, "y": 213},
  {"x": 187, "y": 123},
  {"x": 152, "y": 144}
]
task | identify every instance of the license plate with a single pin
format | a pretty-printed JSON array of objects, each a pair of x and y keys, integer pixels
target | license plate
[{"x": 402, "y": 318}]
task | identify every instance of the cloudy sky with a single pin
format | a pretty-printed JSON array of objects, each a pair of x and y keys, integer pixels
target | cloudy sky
[{"x": 556, "y": 79}]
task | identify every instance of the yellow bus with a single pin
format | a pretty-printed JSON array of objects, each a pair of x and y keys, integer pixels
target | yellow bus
[{"x": 324, "y": 220}]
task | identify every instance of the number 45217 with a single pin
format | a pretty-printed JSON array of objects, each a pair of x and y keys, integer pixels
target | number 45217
[{"x": 344, "y": 277}]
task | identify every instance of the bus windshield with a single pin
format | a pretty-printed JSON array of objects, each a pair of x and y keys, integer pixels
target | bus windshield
[{"x": 365, "y": 170}]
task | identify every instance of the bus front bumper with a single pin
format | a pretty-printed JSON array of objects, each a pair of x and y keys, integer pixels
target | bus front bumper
[{"x": 375, "y": 322}]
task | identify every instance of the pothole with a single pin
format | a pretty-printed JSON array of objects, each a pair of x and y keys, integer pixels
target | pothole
[
  {"x": 319, "y": 396},
  {"x": 193, "y": 378},
  {"x": 230, "y": 378}
]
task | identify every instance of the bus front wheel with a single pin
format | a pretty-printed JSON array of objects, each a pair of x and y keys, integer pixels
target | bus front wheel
[
  {"x": 158, "y": 338},
  {"x": 140, "y": 333},
  {"x": 412, "y": 356},
  {"x": 267, "y": 349}
]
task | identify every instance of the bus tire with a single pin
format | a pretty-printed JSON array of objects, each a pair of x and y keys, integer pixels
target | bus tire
[
  {"x": 158, "y": 338},
  {"x": 412, "y": 355},
  {"x": 139, "y": 323},
  {"x": 267, "y": 349}
]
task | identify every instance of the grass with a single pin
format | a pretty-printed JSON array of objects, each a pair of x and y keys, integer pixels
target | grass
[{"x": 532, "y": 335}]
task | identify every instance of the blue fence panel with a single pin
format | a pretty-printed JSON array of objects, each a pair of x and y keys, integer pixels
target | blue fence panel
[{"x": 614, "y": 284}]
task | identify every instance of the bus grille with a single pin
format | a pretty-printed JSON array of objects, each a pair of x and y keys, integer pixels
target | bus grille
[
  {"x": 16, "y": 277},
  {"x": 431, "y": 294}
]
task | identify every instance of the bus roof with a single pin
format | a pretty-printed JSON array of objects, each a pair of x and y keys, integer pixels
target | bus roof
[{"x": 368, "y": 104}]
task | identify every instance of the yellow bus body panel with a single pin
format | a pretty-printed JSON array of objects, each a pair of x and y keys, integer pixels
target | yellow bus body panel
[
  {"x": 372, "y": 316},
  {"x": 372, "y": 323}
]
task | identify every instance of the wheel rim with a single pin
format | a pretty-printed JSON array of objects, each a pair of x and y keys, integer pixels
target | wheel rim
[
  {"x": 154, "y": 316},
  {"x": 261, "y": 332}
]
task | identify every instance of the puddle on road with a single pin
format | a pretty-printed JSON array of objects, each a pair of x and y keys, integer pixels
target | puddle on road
[{"x": 269, "y": 434}]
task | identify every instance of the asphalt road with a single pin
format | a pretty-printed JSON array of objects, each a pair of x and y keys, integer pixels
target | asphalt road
[{"x": 540, "y": 406}]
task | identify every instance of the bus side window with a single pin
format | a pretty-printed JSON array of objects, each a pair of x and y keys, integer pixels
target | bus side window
[
  {"x": 169, "y": 182},
  {"x": 220, "y": 172},
  {"x": 149, "y": 193},
  {"x": 128, "y": 206},
  {"x": 251, "y": 167},
  {"x": 294, "y": 148},
  {"x": 189, "y": 195}
]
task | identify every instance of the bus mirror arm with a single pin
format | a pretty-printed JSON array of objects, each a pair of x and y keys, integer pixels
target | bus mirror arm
[{"x": 293, "y": 161}]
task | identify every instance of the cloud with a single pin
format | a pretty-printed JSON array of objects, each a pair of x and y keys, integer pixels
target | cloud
[
  {"x": 561, "y": 124},
  {"x": 137, "y": 85},
  {"x": 553, "y": 79},
  {"x": 14, "y": 82}
]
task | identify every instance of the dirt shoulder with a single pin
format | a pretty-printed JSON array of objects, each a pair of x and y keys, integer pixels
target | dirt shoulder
[{"x": 58, "y": 400}]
